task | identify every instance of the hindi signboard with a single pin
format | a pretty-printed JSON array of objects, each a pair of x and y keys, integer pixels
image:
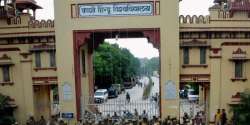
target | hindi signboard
[{"x": 116, "y": 9}]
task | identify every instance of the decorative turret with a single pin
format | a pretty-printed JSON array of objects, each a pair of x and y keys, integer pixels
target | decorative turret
[
  {"x": 7, "y": 8},
  {"x": 220, "y": 2},
  {"x": 27, "y": 5},
  {"x": 12, "y": 8},
  {"x": 239, "y": 6}
]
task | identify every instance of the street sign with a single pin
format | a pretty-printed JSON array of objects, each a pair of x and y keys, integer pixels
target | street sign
[{"x": 68, "y": 115}]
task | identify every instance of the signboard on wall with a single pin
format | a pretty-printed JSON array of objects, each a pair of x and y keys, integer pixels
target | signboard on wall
[
  {"x": 68, "y": 115},
  {"x": 116, "y": 9},
  {"x": 67, "y": 92},
  {"x": 170, "y": 90}
]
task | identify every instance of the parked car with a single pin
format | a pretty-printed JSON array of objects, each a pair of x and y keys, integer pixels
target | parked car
[
  {"x": 112, "y": 92},
  {"x": 117, "y": 87},
  {"x": 101, "y": 95},
  {"x": 192, "y": 96},
  {"x": 128, "y": 85}
]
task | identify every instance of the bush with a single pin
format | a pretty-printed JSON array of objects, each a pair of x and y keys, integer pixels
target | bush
[
  {"x": 5, "y": 111},
  {"x": 7, "y": 120}
]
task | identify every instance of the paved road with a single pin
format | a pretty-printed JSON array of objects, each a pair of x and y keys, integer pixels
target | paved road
[{"x": 119, "y": 104}]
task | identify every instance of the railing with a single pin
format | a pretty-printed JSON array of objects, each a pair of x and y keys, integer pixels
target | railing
[
  {"x": 15, "y": 20},
  {"x": 194, "y": 19},
  {"x": 120, "y": 105},
  {"x": 41, "y": 24}
]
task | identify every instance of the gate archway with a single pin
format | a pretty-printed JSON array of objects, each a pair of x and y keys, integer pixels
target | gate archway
[
  {"x": 75, "y": 28},
  {"x": 92, "y": 39}
]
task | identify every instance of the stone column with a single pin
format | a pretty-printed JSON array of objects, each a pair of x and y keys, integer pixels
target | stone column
[
  {"x": 215, "y": 86},
  {"x": 169, "y": 56},
  {"x": 26, "y": 71}
]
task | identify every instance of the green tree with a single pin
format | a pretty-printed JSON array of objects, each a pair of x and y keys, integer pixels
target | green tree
[
  {"x": 6, "y": 111},
  {"x": 113, "y": 65},
  {"x": 148, "y": 66},
  {"x": 241, "y": 112}
]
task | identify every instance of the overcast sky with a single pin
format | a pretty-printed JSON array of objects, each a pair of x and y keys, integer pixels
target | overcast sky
[{"x": 187, "y": 7}]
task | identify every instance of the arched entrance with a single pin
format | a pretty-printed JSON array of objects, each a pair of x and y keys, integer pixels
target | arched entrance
[
  {"x": 92, "y": 39},
  {"x": 78, "y": 23}
]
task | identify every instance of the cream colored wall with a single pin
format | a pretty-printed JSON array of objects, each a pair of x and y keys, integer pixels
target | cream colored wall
[
  {"x": 21, "y": 91},
  {"x": 194, "y": 59},
  {"x": 45, "y": 63},
  {"x": 22, "y": 72},
  {"x": 230, "y": 88},
  {"x": 221, "y": 70},
  {"x": 42, "y": 102}
]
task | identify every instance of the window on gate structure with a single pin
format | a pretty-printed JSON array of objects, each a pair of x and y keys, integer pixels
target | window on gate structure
[
  {"x": 203, "y": 55},
  {"x": 52, "y": 58},
  {"x": 38, "y": 59},
  {"x": 238, "y": 69},
  {"x": 6, "y": 73},
  {"x": 83, "y": 62},
  {"x": 186, "y": 55}
]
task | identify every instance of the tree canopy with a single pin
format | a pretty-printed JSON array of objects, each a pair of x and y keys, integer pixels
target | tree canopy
[
  {"x": 241, "y": 112},
  {"x": 148, "y": 66},
  {"x": 114, "y": 65}
]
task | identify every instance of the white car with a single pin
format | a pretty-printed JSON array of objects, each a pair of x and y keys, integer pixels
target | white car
[
  {"x": 192, "y": 96},
  {"x": 101, "y": 95}
]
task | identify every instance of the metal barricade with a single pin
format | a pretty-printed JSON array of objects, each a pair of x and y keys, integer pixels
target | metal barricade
[{"x": 120, "y": 107}]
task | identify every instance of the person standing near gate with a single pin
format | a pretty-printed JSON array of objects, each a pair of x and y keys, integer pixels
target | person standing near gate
[
  {"x": 223, "y": 117},
  {"x": 144, "y": 115},
  {"x": 185, "y": 118},
  {"x": 217, "y": 117},
  {"x": 42, "y": 121}
]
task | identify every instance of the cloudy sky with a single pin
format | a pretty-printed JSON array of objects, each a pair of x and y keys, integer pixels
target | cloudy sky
[{"x": 187, "y": 7}]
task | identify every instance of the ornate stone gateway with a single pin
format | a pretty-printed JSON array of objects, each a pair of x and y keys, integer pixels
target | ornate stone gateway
[{"x": 78, "y": 23}]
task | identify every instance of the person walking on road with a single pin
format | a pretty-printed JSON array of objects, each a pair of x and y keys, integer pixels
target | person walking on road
[{"x": 128, "y": 97}]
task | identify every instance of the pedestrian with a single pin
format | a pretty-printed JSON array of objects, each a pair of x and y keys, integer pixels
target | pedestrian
[
  {"x": 136, "y": 113},
  {"x": 31, "y": 121},
  {"x": 185, "y": 119},
  {"x": 52, "y": 121},
  {"x": 42, "y": 121},
  {"x": 223, "y": 117},
  {"x": 197, "y": 119},
  {"x": 203, "y": 118},
  {"x": 128, "y": 97},
  {"x": 217, "y": 117},
  {"x": 144, "y": 115},
  {"x": 115, "y": 118},
  {"x": 234, "y": 119}
]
